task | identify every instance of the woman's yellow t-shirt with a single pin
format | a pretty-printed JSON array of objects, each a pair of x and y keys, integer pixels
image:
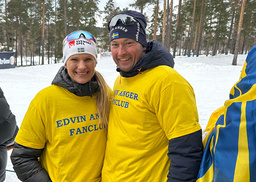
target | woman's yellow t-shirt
[{"x": 67, "y": 127}]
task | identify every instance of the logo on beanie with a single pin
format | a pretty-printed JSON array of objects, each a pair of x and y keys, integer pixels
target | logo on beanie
[
  {"x": 80, "y": 49},
  {"x": 119, "y": 28},
  {"x": 71, "y": 43},
  {"x": 115, "y": 35},
  {"x": 83, "y": 42},
  {"x": 78, "y": 42}
]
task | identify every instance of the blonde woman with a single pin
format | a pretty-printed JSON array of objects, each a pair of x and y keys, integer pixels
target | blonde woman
[{"x": 65, "y": 125}]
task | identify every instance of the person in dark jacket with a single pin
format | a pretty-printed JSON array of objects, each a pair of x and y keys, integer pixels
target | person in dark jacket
[
  {"x": 153, "y": 132},
  {"x": 63, "y": 134},
  {"x": 8, "y": 131}
]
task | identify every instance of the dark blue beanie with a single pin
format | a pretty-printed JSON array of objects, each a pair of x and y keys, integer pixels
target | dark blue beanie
[{"x": 133, "y": 31}]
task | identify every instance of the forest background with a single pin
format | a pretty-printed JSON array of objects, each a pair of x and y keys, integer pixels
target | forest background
[{"x": 184, "y": 27}]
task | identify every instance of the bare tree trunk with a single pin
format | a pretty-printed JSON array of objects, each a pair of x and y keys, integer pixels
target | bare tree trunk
[
  {"x": 164, "y": 24},
  {"x": 26, "y": 48},
  {"x": 179, "y": 45},
  {"x": 33, "y": 51},
  {"x": 20, "y": 39},
  {"x": 231, "y": 27},
  {"x": 43, "y": 32},
  {"x": 185, "y": 42},
  {"x": 65, "y": 18},
  {"x": 192, "y": 29},
  {"x": 177, "y": 26},
  {"x": 194, "y": 43},
  {"x": 16, "y": 46},
  {"x": 207, "y": 47},
  {"x": 48, "y": 48},
  {"x": 243, "y": 43},
  {"x": 39, "y": 53},
  {"x": 239, "y": 32},
  {"x": 217, "y": 33},
  {"x": 201, "y": 27},
  {"x": 156, "y": 15},
  {"x": 55, "y": 35},
  {"x": 6, "y": 27},
  {"x": 169, "y": 26},
  {"x": 30, "y": 49},
  {"x": 21, "y": 47},
  {"x": 233, "y": 39},
  {"x": 12, "y": 40}
]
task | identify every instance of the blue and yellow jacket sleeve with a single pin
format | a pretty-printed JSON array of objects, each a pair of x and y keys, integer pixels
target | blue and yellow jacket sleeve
[{"x": 229, "y": 146}]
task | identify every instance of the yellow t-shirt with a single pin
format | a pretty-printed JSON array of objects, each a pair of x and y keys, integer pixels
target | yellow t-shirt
[
  {"x": 148, "y": 110},
  {"x": 67, "y": 127}
]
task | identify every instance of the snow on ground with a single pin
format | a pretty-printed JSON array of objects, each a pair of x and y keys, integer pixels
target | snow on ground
[{"x": 211, "y": 78}]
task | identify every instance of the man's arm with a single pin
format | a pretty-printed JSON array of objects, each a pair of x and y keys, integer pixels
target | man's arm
[
  {"x": 186, "y": 154},
  {"x": 26, "y": 165}
]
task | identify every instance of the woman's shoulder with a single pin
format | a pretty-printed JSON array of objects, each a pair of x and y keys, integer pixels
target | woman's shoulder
[{"x": 48, "y": 92}]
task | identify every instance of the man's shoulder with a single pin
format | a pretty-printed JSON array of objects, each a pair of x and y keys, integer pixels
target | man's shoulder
[
  {"x": 167, "y": 74},
  {"x": 163, "y": 71}
]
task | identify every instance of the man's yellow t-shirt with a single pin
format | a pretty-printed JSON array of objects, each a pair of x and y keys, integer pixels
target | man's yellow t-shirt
[
  {"x": 148, "y": 110},
  {"x": 68, "y": 128}
]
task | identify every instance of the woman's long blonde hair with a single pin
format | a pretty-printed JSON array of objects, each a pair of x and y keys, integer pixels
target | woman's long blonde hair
[{"x": 102, "y": 99}]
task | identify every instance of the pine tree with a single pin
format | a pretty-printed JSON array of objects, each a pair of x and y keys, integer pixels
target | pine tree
[
  {"x": 248, "y": 28},
  {"x": 49, "y": 31},
  {"x": 140, "y": 4},
  {"x": 88, "y": 16},
  {"x": 19, "y": 18},
  {"x": 221, "y": 25},
  {"x": 169, "y": 25},
  {"x": 2, "y": 36},
  {"x": 204, "y": 4},
  {"x": 177, "y": 27},
  {"x": 239, "y": 32},
  {"x": 164, "y": 24},
  {"x": 191, "y": 31},
  {"x": 232, "y": 11},
  {"x": 34, "y": 33},
  {"x": 109, "y": 10},
  {"x": 43, "y": 29},
  {"x": 156, "y": 17}
]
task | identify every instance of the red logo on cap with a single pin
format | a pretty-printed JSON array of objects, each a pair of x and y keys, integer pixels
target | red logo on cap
[{"x": 71, "y": 43}]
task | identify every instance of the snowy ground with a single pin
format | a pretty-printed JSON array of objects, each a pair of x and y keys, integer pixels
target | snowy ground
[{"x": 211, "y": 78}]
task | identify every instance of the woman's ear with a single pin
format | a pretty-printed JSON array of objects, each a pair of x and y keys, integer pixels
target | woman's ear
[{"x": 65, "y": 64}]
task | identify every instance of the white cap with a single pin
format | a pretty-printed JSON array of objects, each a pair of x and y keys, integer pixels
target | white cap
[{"x": 79, "y": 46}]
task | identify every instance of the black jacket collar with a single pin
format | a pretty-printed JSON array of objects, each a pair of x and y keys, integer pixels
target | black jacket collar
[{"x": 63, "y": 79}]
